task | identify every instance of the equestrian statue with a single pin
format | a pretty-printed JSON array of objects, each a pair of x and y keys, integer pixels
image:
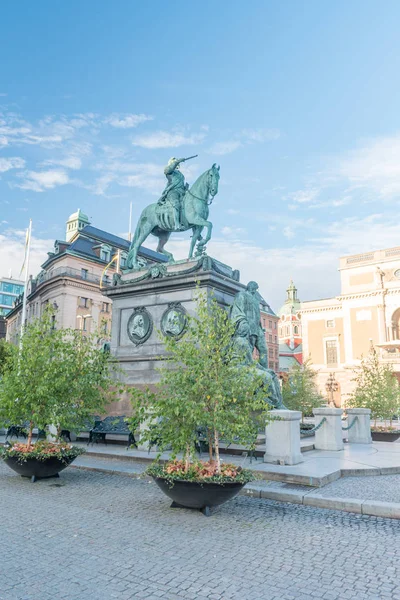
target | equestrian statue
[{"x": 180, "y": 208}]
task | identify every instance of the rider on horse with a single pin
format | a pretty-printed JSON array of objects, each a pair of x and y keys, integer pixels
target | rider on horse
[{"x": 175, "y": 189}]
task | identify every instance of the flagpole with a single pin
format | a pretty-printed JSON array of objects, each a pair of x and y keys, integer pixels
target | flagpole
[
  {"x": 130, "y": 223},
  {"x": 28, "y": 251}
]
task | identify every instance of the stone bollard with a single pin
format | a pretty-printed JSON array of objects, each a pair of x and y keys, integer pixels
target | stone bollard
[
  {"x": 144, "y": 426},
  {"x": 360, "y": 432},
  {"x": 329, "y": 436},
  {"x": 282, "y": 438}
]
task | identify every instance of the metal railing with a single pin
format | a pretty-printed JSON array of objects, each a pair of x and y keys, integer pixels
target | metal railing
[{"x": 67, "y": 272}]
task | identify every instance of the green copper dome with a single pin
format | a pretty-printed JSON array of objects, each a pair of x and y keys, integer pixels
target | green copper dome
[{"x": 292, "y": 303}]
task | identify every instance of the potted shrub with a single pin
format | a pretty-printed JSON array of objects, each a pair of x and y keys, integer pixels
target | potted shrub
[
  {"x": 54, "y": 381},
  {"x": 203, "y": 387},
  {"x": 378, "y": 389}
]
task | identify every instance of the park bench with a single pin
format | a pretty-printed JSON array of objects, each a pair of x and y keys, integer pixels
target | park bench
[
  {"x": 112, "y": 426},
  {"x": 20, "y": 431}
]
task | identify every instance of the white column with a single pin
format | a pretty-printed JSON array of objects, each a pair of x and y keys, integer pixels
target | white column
[
  {"x": 282, "y": 438},
  {"x": 329, "y": 436},
  {"x": 360, "y": 432}
]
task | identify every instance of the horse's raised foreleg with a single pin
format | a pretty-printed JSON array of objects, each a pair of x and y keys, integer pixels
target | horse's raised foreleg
[
  {"x": 202, "y": 223},
  {"x": 163, "y": 238},
  {"x": 195, "y": 238}
]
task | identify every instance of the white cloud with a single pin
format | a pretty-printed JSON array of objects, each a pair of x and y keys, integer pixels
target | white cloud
[
  {"x": 71, "y": 162},
  {"x": 375, "y": 165},
  {"x": 305, "y": 196},
  {"x": 2, "y": 95},
  {"x": 49, "y": 132},
  {"x": 220, "y": 148},
  {"x": 39, "y": 181},
  {"x": 288, "y": 232},
  {"x": 232, "y": 231},
  {"x": 127, "y": 121},
  {"x": 101, "y": 185},
  {"x": 6, "y": 164},
  {"x": 12, "y": 251},
  {"x": 355, "y": 235},
  {"x": 165, "y": 139}
]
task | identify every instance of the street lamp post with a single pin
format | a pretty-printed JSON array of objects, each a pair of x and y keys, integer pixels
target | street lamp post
[{"x": 331, "y": 387}]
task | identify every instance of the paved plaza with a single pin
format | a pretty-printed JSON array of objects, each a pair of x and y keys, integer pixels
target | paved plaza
[{"x": 99, "y": 536}]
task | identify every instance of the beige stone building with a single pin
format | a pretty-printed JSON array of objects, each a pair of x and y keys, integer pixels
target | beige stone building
[
  {"x": 338, "y": 331},
  {"x": 72, "y": 277}
]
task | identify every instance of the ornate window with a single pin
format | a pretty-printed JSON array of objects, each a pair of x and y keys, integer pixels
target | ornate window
[
  {"x": 330, "y": 323},
  {"x": 331, "y": 353}
]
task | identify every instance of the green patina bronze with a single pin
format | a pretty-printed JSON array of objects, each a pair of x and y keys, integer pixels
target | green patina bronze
[
  {"x": 178, "y": 209},
  {"x": 249, "y": 335}
]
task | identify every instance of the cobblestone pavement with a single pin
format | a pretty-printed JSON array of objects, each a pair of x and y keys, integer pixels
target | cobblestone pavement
[{"x": 96, "y": 536}]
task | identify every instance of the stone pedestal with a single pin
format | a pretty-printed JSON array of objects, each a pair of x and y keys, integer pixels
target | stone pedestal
[
  {"x": 282, "y": 438},
  {"x": 360, "y": 432},
  {"x": 329, "y": 436},
  {"x": 52, "y": 433},
  {"x": 154, "y": 302}
]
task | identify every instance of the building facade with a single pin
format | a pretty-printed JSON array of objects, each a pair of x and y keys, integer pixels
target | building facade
[
  {"x": 290, "y": 331},
  {"x": 3, "y": 327},
  {"x": 338, "y": 332},
  {"x": 72, "y": 279},
  {"x": 10, "y": 289},
  {"x": 269, "y": 322}
]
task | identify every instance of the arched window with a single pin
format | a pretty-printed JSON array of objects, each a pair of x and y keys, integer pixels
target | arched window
[{"x": 296, "y": 329}]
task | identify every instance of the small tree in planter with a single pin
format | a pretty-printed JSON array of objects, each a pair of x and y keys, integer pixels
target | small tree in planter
[
  {"x": 299, "y": 390},
  {"x": 377, "y": 389},
  {"x": 205, "y": 388},
  {"x": 56, "y": 377}
]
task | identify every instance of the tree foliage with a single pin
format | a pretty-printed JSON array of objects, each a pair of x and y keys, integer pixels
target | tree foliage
[
  {"x": 203, "y": 386},
  {"x": 376, "y": 388},
  {"x": 56, "y": 377},
  {"x": 5, "y": 352},
  {"x": 300, "y": 390}
]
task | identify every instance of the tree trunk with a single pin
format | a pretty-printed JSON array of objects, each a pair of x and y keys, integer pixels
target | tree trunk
[
  {"x": 187, "y": 458},
  {"x": 30, "y": 430},
  {"x": 210, "y": 446},
  {"x": 217, "y": 458}
]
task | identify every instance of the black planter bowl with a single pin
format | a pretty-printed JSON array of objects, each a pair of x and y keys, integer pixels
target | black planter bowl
[
  {"x": 385, "y": 436},
  {"x": 38, "y": 469},
  {"x": 201, "y": 496}
]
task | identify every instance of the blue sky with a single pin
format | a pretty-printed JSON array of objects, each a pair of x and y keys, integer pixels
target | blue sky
[{"x": 297, "y": 101}]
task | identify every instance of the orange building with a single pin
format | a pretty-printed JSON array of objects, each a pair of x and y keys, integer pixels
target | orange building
[{"x": 338, "y": 331}]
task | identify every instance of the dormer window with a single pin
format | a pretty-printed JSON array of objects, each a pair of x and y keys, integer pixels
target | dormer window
[
  {"x": 123, "y": 260},
  {"x": 105, "y": 253}
]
